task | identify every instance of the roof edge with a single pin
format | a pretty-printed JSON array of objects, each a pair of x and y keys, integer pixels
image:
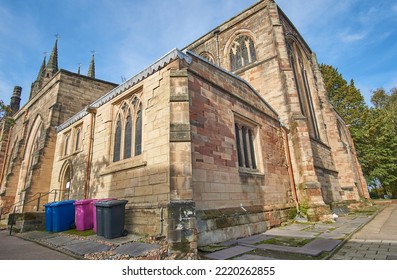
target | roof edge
[{"x": 157, "y": 65}]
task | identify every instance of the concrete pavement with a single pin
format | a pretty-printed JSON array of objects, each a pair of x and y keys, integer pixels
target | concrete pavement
[
  {"x": 73, "y": 246},
  {"x": 14, "y": 248},
  {"x": 375, "y": 241}
]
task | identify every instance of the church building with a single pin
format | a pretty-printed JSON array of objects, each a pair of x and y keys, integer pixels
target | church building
[{"x": 225, "y": 138}]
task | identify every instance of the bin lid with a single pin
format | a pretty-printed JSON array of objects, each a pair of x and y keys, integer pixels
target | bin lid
[
  {"x": 102, "y": 199},
  {"x": 50, "y": 204},
  {"x": 63, "y": 202},
  {"x": 110, "y": 203},
  {"x": 83, "y": 201}
]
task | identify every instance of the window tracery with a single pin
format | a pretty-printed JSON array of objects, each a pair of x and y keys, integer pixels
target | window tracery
[
  {"x": 128, "y": 130},
  {"x": 242, "y": 52}
]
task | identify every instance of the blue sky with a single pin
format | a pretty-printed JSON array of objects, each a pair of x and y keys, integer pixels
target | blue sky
[{"x": 359, "y": 37}]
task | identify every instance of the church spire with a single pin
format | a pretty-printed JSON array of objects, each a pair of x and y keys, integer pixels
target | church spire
[
  {"x": 42, "y": 68},
  {"x": 36, "y": 85},
  {"x": 46, "y": 71},
  {"x": 52, "y": 65},
  {"x": 91, "y": 69}
]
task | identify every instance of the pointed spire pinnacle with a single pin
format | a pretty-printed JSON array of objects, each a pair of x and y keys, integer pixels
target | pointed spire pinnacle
[
  {"x": 52, "y": 65},
  {"x": 42, "y": 68},
  {"x": 78, "y": 69},
  {"x": 91, "y": 69}
]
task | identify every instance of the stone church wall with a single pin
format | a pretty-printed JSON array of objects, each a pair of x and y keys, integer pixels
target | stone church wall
[
  {"x": 232, "y": 201},
  {"x": 56, "y": 102}
]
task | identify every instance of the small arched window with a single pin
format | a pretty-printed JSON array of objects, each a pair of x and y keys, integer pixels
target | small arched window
[
  {"x": 77, "y": 139},
  {"x": 207, "y": 56},
  {"x": 66, "y": 147},
  {"x": 138, "y": 132},
  {"x": 128, "y": 136},
  {"x": 242, "y": 52},
  {"x": 117, "y": 140},
  {"x": 128, "y": 130}
]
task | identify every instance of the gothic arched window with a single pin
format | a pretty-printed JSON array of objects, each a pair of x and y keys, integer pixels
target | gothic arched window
[
  {"x": 242, "y": 52},
  {"x": 117, "y": 140},
  {"x": 207, "y": 56},
  {"x": 128, "y": 130},
  {"x": 138, "y": 132},
  {"x": 66, "y": 146},
  {"x": 128, "y": 136},
  {"x": 297, "y": 61},
  {"x": 77, "y": 139}
]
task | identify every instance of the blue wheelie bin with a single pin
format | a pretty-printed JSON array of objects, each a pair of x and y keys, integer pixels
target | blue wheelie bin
[
  {"x": 48, "y": 216},
  {"x": 63, "y": 215}
]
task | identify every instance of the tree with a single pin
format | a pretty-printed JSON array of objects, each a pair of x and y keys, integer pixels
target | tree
[
  {"x": 5, "y": 113},
  {"x": 347, "y": 100},
  {"x": 380, "y": 161}
]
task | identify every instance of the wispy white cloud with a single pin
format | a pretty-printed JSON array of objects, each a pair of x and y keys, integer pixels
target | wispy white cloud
[{"x": 353, "y": 37}]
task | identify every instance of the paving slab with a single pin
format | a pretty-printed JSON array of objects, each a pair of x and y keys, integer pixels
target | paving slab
[
  {"x": 229, "y": 243},
  {"x": 253, "y": 257},
  {"x": 332, "y": 235},
  {"x": 391, "y": 257},
  {"x": 61, "y": 240},
  {"x": 86, "y": 247},
  {"x": 288, "y": 249},
  {"x": 288, "y": 233},
  {"x": 136, "y": 249},
  {"x": 362, "y": 219},
  {"x": 118, "y": 240},
  {"x": 36, "y": 235},
  {"x": 229, "y": 253},
  {"x": 254, "y": 239},
  {"x": 322, "y": 244},
  {"x": 345, "y": 229},
  {"x": 296, "y": 227},
  {"x": 325, "y": 227}
]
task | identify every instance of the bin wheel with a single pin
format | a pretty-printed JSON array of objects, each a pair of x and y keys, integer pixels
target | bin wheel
[{"x": 124, "y": 232}]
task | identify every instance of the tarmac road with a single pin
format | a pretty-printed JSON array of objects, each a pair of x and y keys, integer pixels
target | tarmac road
[{"x": 14, "y": 248}]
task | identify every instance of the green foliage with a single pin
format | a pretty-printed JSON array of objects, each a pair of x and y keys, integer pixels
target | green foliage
[
  {"x": 287, "y": 241},
  {"x": 80, "y": 233},
  {"x": 5, "y": 113},
  {"x": 380, "y": 161},
  {"x": 344, "y": 97}
]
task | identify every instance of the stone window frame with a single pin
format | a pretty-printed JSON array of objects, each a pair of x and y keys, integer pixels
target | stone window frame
[
  {"x": 247, "y": 149},
  {"x": 127, "y": 115},
  {"x": 343, "y": 135},
  {"x": 66, "y": 143},
  {"x": 207, "y": 56},
  {"x": 77, "y": 136},
  {"x": 300, "y": 67},
  {"x": 250, "y": 51}
]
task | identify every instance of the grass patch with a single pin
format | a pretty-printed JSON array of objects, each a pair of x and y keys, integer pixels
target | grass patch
[
  {"x": 366, "y": 210},
  {"x": 286, "y": 241},
  {"x": 79, "y": 232},
  {"x": 212, "y": 248},
  {"x": 286, "y": 256}
]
